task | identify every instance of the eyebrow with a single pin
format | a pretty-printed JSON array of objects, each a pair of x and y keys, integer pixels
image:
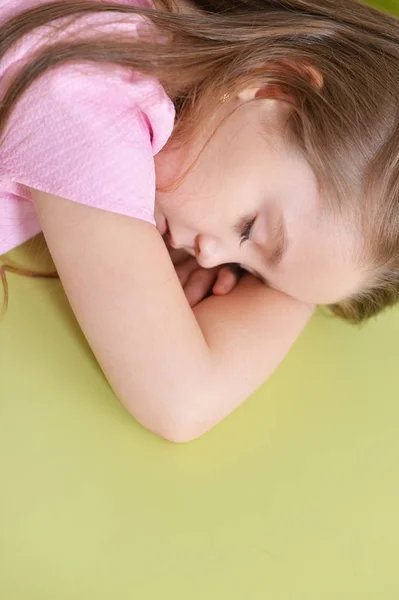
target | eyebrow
[{"x": 281, "y": 242}]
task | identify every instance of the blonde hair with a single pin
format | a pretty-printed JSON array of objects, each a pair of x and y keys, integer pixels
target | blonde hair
[{"x": 348, "y": 129}]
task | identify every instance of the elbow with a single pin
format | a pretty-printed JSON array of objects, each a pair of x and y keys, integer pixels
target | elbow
[
  {"x": 174, "y": 425},
  {"x": 180, "y": 436},
  {"x": 177, "y": 429}
]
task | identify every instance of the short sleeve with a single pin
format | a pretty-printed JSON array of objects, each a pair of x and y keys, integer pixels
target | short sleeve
[{"x": 88, "y": 133}]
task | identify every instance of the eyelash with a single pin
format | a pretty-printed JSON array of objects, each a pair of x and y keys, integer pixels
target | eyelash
[{"x": 246, "y": 232}]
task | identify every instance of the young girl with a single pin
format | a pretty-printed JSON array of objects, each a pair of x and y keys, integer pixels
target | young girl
[{"x": 154, "y": 145}]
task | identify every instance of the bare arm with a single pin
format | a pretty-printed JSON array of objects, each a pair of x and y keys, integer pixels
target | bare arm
[
  {"x": 178, "y": 370},
  {"x": 249, "y": 332}
]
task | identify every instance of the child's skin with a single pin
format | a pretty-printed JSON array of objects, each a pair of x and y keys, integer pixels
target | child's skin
[
  {"x": 210, "y": 358},
  {"x": 248, "y": 171}
]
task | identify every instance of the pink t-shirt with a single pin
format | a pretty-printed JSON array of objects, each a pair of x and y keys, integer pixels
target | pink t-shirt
[{"x": 86, "y": 132}]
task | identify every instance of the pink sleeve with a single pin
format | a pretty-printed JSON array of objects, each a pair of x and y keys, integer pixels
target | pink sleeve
[{"x": 88, "y": 133}]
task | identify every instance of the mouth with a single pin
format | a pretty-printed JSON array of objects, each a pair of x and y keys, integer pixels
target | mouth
[
  {"x": 169, "y": 237},
  {"x": 166, "y": 227},
  {"x": 161, "y": 222}
]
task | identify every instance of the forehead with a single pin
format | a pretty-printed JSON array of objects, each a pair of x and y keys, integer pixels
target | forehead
[{"x": 322, "y": 263}]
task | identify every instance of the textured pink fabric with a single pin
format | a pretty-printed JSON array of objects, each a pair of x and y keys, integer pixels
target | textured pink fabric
[{"x": 83, "y": 131}]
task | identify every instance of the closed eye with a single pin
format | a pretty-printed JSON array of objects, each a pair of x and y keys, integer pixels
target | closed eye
[{"x": 246, "y": 231}]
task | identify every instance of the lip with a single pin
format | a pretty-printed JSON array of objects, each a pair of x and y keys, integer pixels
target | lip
[
  {"x": 163, "y": 227},
  {"x": 167, "y": 233},
  {"x": 169, "y": 236},
  {"x": 171, "y": 241}
]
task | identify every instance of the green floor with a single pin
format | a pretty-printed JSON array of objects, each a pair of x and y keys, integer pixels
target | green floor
[{"x": 295, "y": 496}]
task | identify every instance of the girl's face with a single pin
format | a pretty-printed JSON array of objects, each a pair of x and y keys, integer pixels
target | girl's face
[{"x": 246, "y": 193}]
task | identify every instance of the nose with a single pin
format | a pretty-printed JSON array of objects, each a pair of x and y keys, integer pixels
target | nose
[{"x": 209, "y": 252}]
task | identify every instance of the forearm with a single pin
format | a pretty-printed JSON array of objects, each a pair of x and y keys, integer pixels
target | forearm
[
  {"x": 177, "y": 370},
  {"x": 248, "y": 333}
]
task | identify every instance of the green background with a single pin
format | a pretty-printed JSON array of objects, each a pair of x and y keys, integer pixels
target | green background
[{"x": 294, "y": 496}]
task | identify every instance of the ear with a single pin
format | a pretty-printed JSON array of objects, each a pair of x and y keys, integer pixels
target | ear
[{"x": 273, "y": 91}]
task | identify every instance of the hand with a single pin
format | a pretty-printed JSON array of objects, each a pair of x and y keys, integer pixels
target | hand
[{"x": 199, "y": 283}]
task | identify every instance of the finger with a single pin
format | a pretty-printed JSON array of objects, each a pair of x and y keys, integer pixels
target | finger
[
  {"x": 185, "y": 269},
  {"x": 225, "y": 282},
  {"x": 178, "y": 256},
  {"x": 199, "y": 284}
]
